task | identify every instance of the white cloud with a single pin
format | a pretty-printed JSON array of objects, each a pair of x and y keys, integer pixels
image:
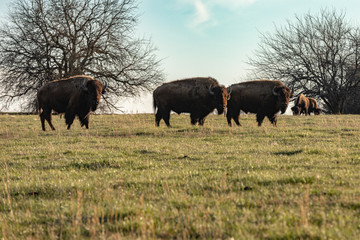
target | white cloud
[
  {"x": 202, "y": 14},
  {"x": 204, "y": 8},
  {"x": 232, "y": 3}
]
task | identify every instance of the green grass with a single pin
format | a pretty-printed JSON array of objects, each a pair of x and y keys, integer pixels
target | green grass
[{"x": 125, "y": 178}]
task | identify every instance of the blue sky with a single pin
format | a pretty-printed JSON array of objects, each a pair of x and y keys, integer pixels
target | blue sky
[{"x": 215, "y": 37}]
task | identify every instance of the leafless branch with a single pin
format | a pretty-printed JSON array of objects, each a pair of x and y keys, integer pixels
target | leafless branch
[
  {"x": 46, "y": 40},
  {"x": 318, "y": 55}
]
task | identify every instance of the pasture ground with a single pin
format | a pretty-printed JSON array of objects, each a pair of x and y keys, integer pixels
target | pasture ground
[{"x": 126, "y": 179}]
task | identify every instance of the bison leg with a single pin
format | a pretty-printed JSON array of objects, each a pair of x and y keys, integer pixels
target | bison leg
[
  {"x": 158, "y": 118},
  {"x": 201, "y": 121},
  {"x": 273, "y": 119},
  {"x": 42, "y": 119},
  {"x": 42, "y": 123},
  {"x": 46, "y": 115},
  {"x": 259, "y": 118},
  {"x": 302, "y": 111},
  {"x": 166, "y": 118},
  {"x": 194, "y": 118},
  {"x": 69, "y": 119},
  {"x": 228, "y": 117},
  {"x": 84, "y": 121},
  {"x": 234, "y": 115},
  {"x": 48, "y": 119},
  {"x": 236, "y": 119}
]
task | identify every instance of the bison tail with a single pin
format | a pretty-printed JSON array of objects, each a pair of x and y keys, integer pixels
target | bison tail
[
  {"x": 38, "y": 107},
  {"x": 154, "y": 104},
  {"x": 40, "y": 111}
]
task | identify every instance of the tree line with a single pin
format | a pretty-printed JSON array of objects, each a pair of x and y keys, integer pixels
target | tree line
[
  {"x": 316, "y": 54},
  {"x": 45, "y": 40}
]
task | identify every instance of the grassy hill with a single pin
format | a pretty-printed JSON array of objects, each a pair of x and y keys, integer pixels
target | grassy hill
[{"x": 125, "y": 178}]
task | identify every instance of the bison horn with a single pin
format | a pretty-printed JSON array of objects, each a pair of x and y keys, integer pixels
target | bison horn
[
  {"x": 83, "y": 86},
  {"x": 274, "y": 91},
  {"x": 104, "y": 87},
  {"x": 292, "y": 92},
  {"x": 210, "y": 91},
  {"x": 229, "y": 90}
]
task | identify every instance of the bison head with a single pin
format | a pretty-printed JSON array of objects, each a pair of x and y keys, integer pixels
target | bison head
[
  {"x": 283, "y": 95},
  {"x": 317, "y": 111},
  {"x": 219, "y": 98},
  {"x": 93, "y": 89},
  {"x": 295, "y": 110}
]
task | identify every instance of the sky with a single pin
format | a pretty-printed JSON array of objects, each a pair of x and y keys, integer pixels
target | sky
[{"x": 201, "y": 38}]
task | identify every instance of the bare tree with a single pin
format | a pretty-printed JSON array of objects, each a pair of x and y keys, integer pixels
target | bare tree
[
  {"x": 46, "y": 40},
  {"x": 317, "y": 55}
]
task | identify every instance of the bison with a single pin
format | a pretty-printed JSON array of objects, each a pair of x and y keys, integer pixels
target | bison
[
  {"x": 313, "y": 106},
  {"x": 77, "y": 95},
  {"x": 301, "y": 105},
  {"x": 197, "y": 96},
  {"x": 263, "y": 97}
]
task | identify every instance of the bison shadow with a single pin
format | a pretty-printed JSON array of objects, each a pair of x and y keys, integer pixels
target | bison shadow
[{"x": 288, "y": 153}]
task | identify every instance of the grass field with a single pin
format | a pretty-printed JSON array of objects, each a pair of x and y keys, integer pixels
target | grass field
[{"x": 124, "y": 178}]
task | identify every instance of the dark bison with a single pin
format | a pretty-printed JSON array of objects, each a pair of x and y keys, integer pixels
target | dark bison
[
  {"x": 313, "y": 106},
  {"x": 301, "y": 105},
  {"x": 263, "y": 97},
  {"x": 197, "y": 96},
  {"x": 73, "y": 96}
]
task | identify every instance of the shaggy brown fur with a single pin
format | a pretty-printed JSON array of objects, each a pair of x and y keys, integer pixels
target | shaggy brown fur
[
  {"x": 313, "y": 106},
  {"x": 197, "y": 96},
  {"x": 301, "y": 105},
  {"x": 77, "y": 95},
  {"x": 263, "y": 97}
]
